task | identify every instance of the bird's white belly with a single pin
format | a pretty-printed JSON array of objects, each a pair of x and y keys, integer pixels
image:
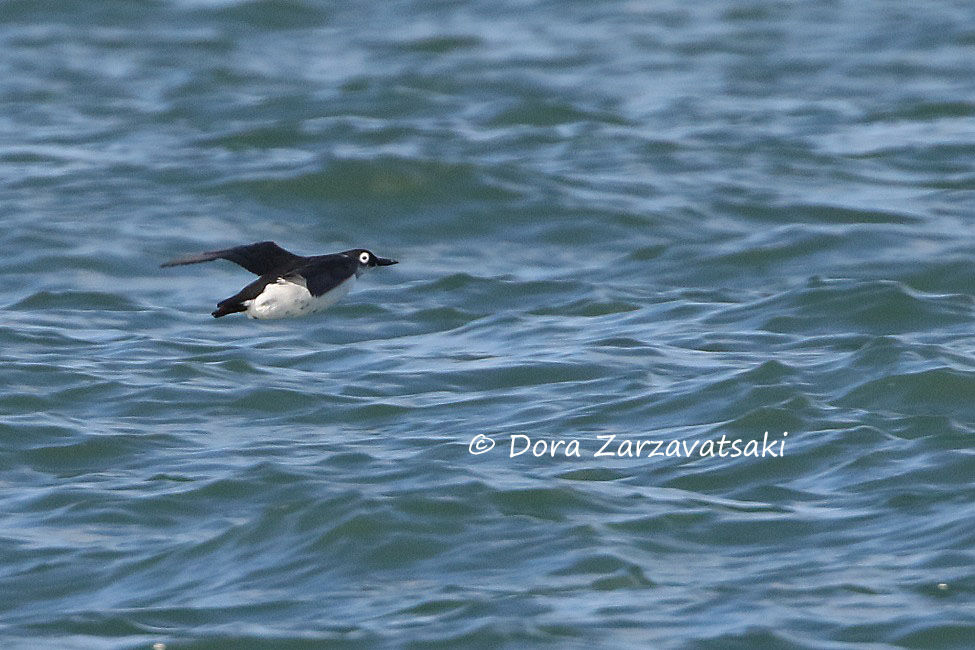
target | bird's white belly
[{"x": 285, "y": 299}]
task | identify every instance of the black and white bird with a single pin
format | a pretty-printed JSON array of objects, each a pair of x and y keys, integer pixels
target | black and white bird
[{"x": 289, "y": 284}]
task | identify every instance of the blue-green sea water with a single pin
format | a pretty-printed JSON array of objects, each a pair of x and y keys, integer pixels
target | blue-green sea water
[{"x": 624, "y": 221}]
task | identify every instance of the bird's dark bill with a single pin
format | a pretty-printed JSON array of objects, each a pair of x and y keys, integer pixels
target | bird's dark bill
[{"x": 382, "y": 261}]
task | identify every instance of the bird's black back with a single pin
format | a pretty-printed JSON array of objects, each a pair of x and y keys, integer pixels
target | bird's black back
[{"x": 322, "y": 273}]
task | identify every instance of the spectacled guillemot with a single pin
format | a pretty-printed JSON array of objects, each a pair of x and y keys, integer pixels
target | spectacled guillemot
[{"x": 289, "y": 284}]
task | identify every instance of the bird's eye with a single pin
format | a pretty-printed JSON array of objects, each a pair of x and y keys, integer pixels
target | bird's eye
[{"x": 363, "y": 257}]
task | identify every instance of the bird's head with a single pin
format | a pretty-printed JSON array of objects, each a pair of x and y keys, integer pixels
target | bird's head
[{"x": 366, "y": 259}]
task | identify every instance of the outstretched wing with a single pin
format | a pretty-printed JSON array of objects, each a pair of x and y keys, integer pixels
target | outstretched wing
[{"x": 260, "y": 258}]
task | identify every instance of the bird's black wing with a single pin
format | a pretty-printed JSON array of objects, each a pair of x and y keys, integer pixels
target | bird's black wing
[
  {"x": 325, "y": 272},
  {"x": 235, "y": 303},
  {"x": 260, "y": 258}
]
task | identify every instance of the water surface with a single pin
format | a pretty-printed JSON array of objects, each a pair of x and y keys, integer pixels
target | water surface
[{"x": 647, "y": 220}]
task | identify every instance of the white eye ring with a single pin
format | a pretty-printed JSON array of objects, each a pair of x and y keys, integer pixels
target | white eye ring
[{"x": 363, "y": 257}]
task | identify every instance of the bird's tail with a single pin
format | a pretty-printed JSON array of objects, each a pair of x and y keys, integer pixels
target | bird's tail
[{"x": 227, "y": 307}]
